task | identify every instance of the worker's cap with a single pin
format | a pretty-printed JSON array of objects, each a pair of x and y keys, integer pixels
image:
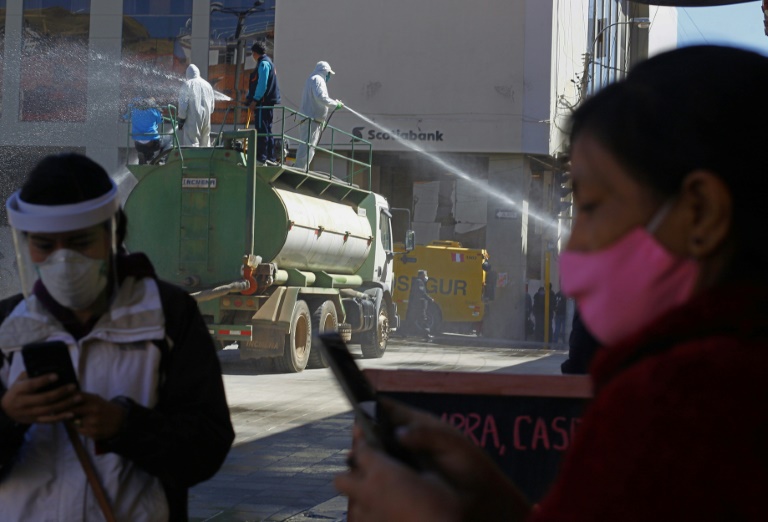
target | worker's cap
[
  {"x": 326, "y": 67},
  {"x": 422, "y": 273}
]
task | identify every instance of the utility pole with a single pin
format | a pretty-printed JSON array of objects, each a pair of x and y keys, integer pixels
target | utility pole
[
  {"x": 239, "y": 57},
  {"x": 585, "y": 76}
]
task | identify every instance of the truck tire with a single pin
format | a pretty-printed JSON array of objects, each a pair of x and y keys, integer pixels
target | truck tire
[
  {"x": 434, "y": 319},
  {"x": 297, "y": 343},
  {"x": 325, "y": 319},
  {"x": 374, "y": 342}
]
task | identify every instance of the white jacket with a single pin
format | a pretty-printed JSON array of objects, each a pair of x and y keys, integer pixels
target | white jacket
[
  {"x": 315, "y": 101},
  {"x": 196, "y": 103},
  {"x": 117, "y": 357}
]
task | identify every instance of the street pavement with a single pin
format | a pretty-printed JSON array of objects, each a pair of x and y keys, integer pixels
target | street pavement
[{"x": 293, "y": 430}]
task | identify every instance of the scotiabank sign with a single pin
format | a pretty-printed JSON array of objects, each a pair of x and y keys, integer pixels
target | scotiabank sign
[{"x": 396, "y": 134}]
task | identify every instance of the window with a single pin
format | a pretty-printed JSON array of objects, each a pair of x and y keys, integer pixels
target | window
[
  {"x": 54, "y": 57},
  {"x": 237, "y": 21},
  {"x": 156, "y": 49},
  {"x": 385, "y": 231}
]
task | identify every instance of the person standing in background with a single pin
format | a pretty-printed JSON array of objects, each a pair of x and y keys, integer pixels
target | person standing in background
[
  {"x": 196, "y": 103},
  {"x": 529, "y": 324},
  {"x": 559, "y": 305},
  {"x": 582, "y": 346},
  {"x": 264, "y": 93},
  {"x": 315, "y": 104},
  {"x": 538, "y": 315}
]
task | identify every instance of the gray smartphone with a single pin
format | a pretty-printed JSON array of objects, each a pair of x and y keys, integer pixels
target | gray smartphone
[
  {"x": 377, "y": 427},
  {"x": 49, "y": 357}
]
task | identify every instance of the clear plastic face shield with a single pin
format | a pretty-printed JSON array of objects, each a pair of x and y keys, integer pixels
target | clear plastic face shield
[{"x": 71, "y": 248}]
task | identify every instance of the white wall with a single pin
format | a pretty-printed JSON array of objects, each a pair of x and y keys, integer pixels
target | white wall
[
  {"x": 569, "y": 43},
  {"x": 663, "y": 31},
  {"x": 477, "y": 72}
]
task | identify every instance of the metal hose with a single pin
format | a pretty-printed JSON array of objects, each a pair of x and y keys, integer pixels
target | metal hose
[{"x": 213, "y": 293}]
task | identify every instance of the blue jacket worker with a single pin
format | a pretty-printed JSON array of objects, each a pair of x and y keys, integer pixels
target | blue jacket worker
[
  {"x": 146, "y": 124},
  {"x": 264, "y": 92}
]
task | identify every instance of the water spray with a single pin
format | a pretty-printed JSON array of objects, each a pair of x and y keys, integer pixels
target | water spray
[{"x": 546, "y": 221}]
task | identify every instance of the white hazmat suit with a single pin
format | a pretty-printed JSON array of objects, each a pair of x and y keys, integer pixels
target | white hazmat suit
[
  {"x": 196, "y": 101},
  {"x": 315, "y": 103}
]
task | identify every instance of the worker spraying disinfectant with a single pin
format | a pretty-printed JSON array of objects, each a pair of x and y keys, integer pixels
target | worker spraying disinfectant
[{"x": 315, "y": 104}]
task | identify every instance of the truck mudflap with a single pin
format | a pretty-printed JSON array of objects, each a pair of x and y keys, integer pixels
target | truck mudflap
[{"x": 269, "y": 343}]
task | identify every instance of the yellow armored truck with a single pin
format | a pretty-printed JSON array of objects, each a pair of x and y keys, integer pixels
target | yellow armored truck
[{"x": 457, "y": 282}]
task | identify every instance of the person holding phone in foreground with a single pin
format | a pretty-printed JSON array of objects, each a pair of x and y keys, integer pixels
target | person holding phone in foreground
[
  {"x": 150, "y": 409},
  {"x": 667, "y": 264}
]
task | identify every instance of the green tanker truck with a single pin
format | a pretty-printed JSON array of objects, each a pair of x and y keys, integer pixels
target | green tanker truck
[{"x": 272, "y": 254}]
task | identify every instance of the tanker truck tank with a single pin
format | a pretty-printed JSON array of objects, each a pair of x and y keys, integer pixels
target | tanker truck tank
[{"x": 266, "y": 250}]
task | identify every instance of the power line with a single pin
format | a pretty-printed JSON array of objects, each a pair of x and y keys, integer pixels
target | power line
[{"x": 684, "y": 10}]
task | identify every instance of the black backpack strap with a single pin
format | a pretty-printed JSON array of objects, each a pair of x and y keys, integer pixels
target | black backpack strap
[{"x": 173, "y": 324}]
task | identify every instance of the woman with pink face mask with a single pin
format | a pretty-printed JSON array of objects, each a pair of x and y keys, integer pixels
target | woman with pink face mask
[{"x": 667, "y": 264}]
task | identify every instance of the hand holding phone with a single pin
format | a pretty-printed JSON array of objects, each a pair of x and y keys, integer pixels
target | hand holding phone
[
  {"x": 49, "y": 357},
  {"x": 378, "y": 429},
  {"x": 37, "y": 399}
]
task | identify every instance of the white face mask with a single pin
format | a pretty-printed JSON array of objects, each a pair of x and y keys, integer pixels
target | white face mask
[{"x": 72, "y": 279}]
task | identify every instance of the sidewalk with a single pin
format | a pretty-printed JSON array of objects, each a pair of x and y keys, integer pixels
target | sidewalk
[{"x": 293, "y": 435}]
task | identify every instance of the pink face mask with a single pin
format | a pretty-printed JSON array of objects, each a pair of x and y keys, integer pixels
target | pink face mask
[{"x": 623, "y": 288}]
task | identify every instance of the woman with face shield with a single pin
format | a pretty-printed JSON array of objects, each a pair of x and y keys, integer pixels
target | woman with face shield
[
  {"x": 149, "y": 396},
  {"x": 667, "y": 264}
]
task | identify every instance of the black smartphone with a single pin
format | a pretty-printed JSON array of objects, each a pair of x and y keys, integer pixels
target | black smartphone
[
  {"x": 49, "y": 357},
  {"x": 378, "y": 429}
]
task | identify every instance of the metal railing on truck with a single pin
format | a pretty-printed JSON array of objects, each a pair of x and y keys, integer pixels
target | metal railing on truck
[{"x": 336, "y": 144}]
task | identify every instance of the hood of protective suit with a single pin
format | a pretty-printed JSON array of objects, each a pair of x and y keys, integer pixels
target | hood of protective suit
[
  {"x": 196, "y": 104},
  {"x": 323, "y": 68},
  {"x": 192, "y": 72},
  {"x": 315, "y": 101}
]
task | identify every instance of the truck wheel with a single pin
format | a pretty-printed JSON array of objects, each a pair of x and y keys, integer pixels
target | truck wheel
[
  {"x": 297, "y": 343},
  {"x": 325, "y": 319},
  {"x": 374, "y": 343},
  {"x": 434, "y": 319}
]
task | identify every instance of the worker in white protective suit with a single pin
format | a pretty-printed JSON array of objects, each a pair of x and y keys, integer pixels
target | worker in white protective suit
[
  {"x": 315, "y": 104},
  {"x": 196, "y": 101}
]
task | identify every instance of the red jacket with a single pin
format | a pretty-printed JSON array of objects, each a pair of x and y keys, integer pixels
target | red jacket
[{"x": 678, "y": 429}]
